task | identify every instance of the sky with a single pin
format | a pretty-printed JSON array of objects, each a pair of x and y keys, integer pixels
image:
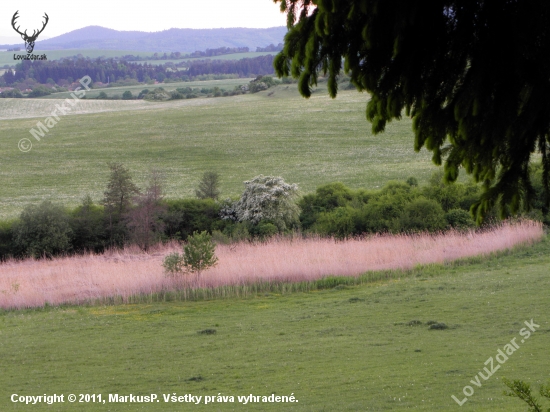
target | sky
[{"x": 150, "y": 16}]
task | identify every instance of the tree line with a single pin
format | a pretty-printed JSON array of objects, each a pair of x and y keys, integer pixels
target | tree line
[
  {"x": 112, "y": 70},
  {"x": 260, "y": 65},
  {"x": 220, "y": 51},
  {"x": 268, "y": 206}
]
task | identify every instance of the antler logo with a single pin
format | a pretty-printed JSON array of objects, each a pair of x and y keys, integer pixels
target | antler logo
[{"x": 29, "y": 40}]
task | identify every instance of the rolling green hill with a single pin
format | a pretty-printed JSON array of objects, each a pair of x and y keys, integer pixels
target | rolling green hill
[
  {"x": 275, "y": 132},
  {"x": 363, "y": 348}
]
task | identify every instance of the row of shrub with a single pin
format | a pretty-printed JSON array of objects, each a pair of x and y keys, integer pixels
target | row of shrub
[
  {"x": 160, "y": 94},
  {"x": 267, "y": 207}
]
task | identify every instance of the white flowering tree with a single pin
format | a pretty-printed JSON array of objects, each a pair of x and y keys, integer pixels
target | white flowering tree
[{"x": 268, "y": 198}]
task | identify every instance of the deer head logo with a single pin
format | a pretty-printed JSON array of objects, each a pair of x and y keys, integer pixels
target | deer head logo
[{"x": 29, "y": 40}]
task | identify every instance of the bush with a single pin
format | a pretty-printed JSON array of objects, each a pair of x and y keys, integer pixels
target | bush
[
  {"x": 261, "y": 83},
  {"x": 142, "y": 94},
  {"x": 173, "y": 264},
  {"x": 198, "y": 255},
  {"x": 412, "y": 181},
  {"x": 158, "y": 94},
  {"x": 421, "y": 215},
  {"x": 237, "y": 232},
  {"x": 127, "y": 95},
  {"x": 40, "y": 91},
  {"x": 268, "y": 198},
  {"x": 264, "y": 230},
  {"x": 174, "y": 95},
  {"x": 43, "y": 230},
  {"x": 326, "y": 198},
  {"x": 88, "y": 227},
  {"x": 438, "y": 326},
  {"x": 338, "y": 223},
  {"x": 7, "y": 247},
  {"x": 385, "y": 208},
  {"x": 449, "y": 196},
  {"x": 459, "y": 219},
  {"x": 14, "y": 93},
  {"x": 186, "y": 216},
  {"x": 220, "y": 238}
]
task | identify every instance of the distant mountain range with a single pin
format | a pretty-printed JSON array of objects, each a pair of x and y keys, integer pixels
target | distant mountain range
[{"x": 173, "y": 40}]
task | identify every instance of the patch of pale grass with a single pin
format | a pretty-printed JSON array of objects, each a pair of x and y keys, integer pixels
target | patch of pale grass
[{"x": 32, "y": 283}]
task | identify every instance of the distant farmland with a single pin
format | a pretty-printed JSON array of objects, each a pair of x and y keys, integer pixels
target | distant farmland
[{"x": 276, "y": 132}]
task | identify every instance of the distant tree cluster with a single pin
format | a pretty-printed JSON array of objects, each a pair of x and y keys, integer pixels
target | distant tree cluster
[
  {"x": 270, "y": 48},
  {"x": 125, "y": 72},
  {"x": 260, "y": 65},
  {"x": 261, "y": 83},
  {"x": 220, "y": 51},
  {"x": 99, "y": 70}
]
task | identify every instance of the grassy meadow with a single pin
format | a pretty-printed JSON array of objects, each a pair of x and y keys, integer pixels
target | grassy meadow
[
  {"x": 276, "y": 132},
  {"x": 348, "y": 348}
]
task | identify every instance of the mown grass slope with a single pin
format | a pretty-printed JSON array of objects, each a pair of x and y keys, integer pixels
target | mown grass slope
[
  {"x": 276, "y": 132},
  {"x": 345, "y": 349}
]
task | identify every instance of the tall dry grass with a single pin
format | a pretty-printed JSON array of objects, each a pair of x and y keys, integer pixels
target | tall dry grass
[{"x": 129, "y": 272}]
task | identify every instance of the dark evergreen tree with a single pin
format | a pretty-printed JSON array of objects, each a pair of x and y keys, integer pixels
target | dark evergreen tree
[
  {"x": 117, "y": 200},
  {"x": 209, "y": 186},
  {"x": 472, "y": 74}
]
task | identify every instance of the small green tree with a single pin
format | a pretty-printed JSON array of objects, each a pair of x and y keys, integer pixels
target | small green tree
[
  {"x": 127, "y": 95},
  {"x": 209, "y": 186},
  {"x": 198, "y": 255},
  {"x": 173, "y": 264}
]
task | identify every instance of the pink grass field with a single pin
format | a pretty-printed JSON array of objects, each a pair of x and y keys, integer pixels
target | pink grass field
[{"x": 32, "y": 283}]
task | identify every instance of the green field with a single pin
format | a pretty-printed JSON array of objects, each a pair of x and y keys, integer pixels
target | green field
[
  {"x": 275, "y": 132},
  {"x": 343, "y": 349}
]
